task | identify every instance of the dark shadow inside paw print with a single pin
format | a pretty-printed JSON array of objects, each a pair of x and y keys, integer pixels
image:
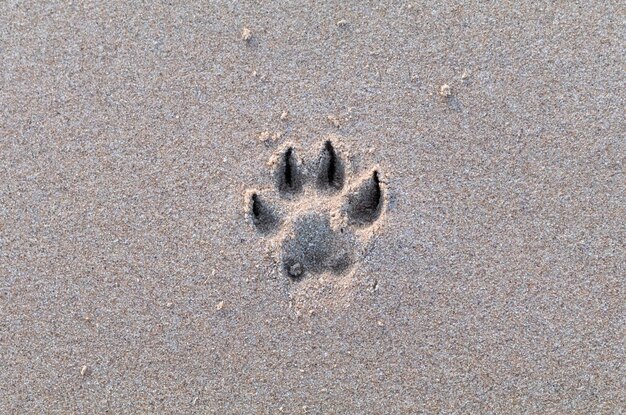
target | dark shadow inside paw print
[
  {"x": 263, "y": 217},
  {"x": 364, "y": 205},
  {"x": 288, "y": 176},
  {"x": 331, "y": 170}
]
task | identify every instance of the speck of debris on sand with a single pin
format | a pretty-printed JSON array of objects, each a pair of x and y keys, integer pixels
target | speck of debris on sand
[
  {"x": 269, "y": 137},
  {"x": 334, "y": 120},
  {"x": 445, "y": 90},
  {"x": 246, "y": 34},
  {"x": 295, "y": 270}
]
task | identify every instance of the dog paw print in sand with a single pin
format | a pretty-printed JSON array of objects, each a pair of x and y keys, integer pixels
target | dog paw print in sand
[{"x": 317, "y": 218}]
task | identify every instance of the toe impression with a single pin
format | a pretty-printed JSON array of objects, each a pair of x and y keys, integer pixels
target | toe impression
[
  {"x": 365, "y": 203},
  {"x": 263, "y": 216},
  {"x": 330, "y": 174},
  {"x": 288, "y": 176}
]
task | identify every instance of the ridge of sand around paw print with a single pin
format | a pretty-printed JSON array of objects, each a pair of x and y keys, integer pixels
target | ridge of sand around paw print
[{"x": 319, "y": 218}]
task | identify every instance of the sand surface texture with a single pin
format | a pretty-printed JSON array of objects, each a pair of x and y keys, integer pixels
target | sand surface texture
[{"x": 334, "y": 207}]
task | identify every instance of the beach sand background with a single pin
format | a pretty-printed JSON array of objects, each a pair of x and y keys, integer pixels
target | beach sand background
[{"x": 132, "y": 278}]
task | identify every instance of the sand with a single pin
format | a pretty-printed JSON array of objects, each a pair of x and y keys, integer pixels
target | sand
[{"x": 487, "y": 277}]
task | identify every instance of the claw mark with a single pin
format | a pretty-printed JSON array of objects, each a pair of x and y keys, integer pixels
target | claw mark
[{"x": 288, "y": 168}]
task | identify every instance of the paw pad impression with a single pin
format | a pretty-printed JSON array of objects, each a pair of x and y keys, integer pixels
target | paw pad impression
[{"x": 320, "y": 228}]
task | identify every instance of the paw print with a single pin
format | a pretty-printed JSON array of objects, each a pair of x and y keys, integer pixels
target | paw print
[{"x": 318, "y": 219}]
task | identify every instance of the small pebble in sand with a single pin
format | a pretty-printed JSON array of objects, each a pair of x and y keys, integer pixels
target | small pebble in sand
[
  {"x": 220, "y": 305},
  {"x": 284, "y": 115},
  {"x": 264, "y": 136},
  {"x": 465, "y": 74},
  {"x": 84, "y": 370},
  {"x": 246, "y": 34},
  {"x": 269, "y": 137},
  {"x": 295, "y": 270},
  {"x": 334, "y": 121},
  {"x": 342, "y": 23},
  {"x": 445, "y": 90}
]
